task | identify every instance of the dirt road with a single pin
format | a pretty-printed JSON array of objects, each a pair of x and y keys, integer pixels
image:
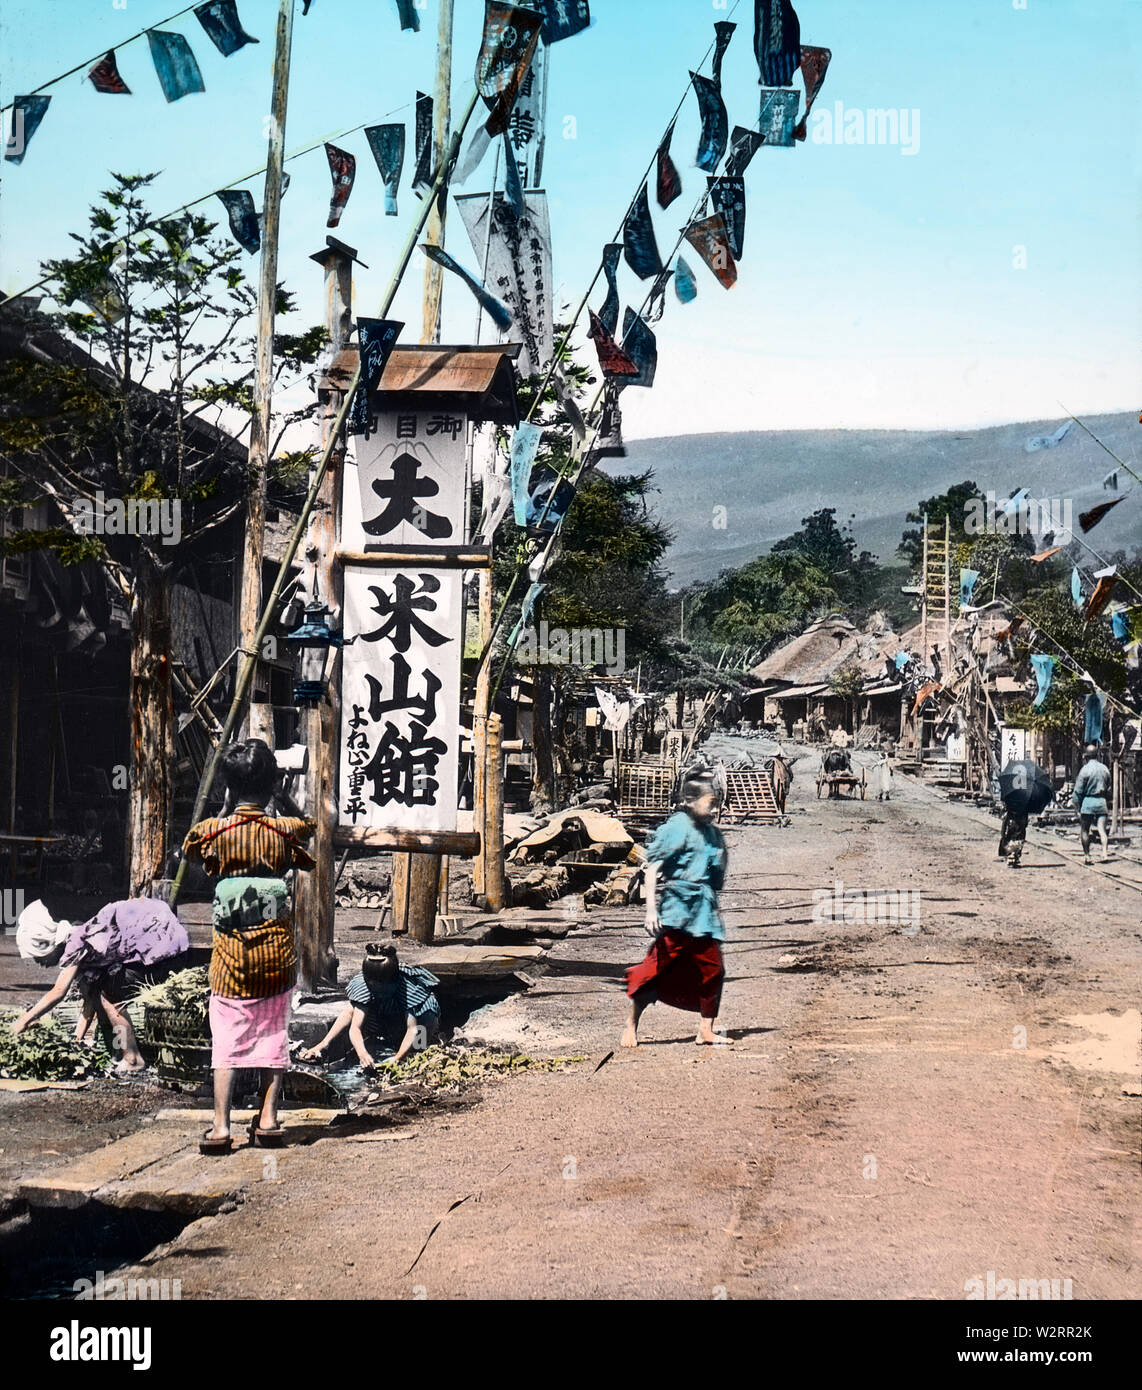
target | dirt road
[{"x": 907, "y": 1105}]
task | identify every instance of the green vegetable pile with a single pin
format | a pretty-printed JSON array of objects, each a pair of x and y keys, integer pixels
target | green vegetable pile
[
  {"x": 185, "y": 990},
  {"x": 449, "y": 1068},
  {"x": 46, "y": 1051}
]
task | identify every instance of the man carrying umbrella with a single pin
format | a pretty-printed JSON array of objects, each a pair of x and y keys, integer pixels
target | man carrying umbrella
[
  {"x": 1025, "y": 790},
  {"x": 1089, "y": 800}
]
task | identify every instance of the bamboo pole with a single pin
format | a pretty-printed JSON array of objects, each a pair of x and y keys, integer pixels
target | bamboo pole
[
  {"x": 260, "y": 721},
  {"x": 269, "y": 612},
  {"x": 442, "y": 114}
]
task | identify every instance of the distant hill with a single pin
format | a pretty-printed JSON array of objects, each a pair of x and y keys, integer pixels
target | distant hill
[{"x": 768, "y": 481}]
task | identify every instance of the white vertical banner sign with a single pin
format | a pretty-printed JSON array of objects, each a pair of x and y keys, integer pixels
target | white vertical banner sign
[
  {"x": 400, "y": 673},
  {"x": 519, "y": 268},
  {"x": 526, "y": 125}
]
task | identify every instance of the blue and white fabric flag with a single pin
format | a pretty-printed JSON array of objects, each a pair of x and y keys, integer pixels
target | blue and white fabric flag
[
  {"x": 639, "y": 241},
  {"x": 387, "y": 145},
  {"x": 525, "y": 445},
  {"x": 776, "y": 41},
  {"x": 27, "y": 113},
  {"x": 968, "y": 580},
  {"x": 377, "y": 338},
  {"x": 531, "y": 598},
  {"x": 244, "y": 221},
  {"x": 220, "y": 20},
  {"x": 562, "y": 19},
  {"x": 409, "y": 19},
  {"x": 728, "y": 197},
  {"x": 496, "y": 311},
  {"x": 175, "y": 64},
  {"x": 778, "y": 116},
  {"x": 1044, "y": 668},
  {"x": 1048, "y": 441},
  {"x": 472, "y": 158},
  {"x": 1120, "y": 625},
  {"x": 723, "y": 33},
  {"x": 609, "y": 313},
  {"x": 744, "y": 144},
  {"x": 685, "y": 286},
  {"x": 641, "y": 346},
  {"x": 1015, "y": 502},
  {"x": 715, "y": 122},
  {"x": 1092, "y": 716},
  {"x": 551, "y": 496},
  {"x": 422, "y": 178},
  {"x": 900, "y": 660},
  {"x": 1076, "y": 587}
]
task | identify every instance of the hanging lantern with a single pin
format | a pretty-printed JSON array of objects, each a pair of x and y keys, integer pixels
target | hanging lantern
[{"x": 315, "y": 640}]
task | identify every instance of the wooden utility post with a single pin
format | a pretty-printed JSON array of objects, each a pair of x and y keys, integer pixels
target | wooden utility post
[
  {"x": 442, "y": 117},
  {"x": 321, "y": 724},
  {"x": 260, "y": 717},
  {"x": 494, "y": 817}
]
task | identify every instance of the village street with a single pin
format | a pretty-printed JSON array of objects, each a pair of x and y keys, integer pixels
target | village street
[{"x": 878, "y": 1130}]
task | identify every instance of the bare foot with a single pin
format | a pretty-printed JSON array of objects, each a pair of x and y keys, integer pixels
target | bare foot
[
  {"x": 707, "y": 1036},
  {"x": 629, "y": 1037}
]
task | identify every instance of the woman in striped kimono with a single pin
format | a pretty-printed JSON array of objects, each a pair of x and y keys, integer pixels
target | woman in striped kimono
[{"x": 254, "y": 962}]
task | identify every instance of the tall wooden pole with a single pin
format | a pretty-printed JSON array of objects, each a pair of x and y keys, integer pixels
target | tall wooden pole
[
  {"x": 260, "y": 721},
  {"x": 442, "y": 116},
  {"x": 494, "y": 818},
  {"x": 321, "y": 724}
]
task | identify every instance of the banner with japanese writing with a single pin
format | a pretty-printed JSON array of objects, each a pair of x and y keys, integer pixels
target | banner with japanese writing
[
  {"x": 518, "y": 258},
  {"x": 400, "y": 699},
  {"x": 528, "y": 120},
  {"x": 410, "y": 476}
]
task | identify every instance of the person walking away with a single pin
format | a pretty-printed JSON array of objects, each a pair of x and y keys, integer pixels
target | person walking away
[
  {"x": 253, "y": 965},
  {"x": 1013, "y": 836},
  {"x": 683, "y": 967},
  {"x": 1089, "y": 799},
  {"x": 389, "y": 1002},
  {"x": 108, "y": 959}
]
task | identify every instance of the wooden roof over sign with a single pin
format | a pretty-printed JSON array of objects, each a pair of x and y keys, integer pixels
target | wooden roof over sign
[{"x": 480, "y": 381}]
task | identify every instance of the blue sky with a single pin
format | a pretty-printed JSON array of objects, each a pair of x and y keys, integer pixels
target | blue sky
[{"x": 879, "y": 288}]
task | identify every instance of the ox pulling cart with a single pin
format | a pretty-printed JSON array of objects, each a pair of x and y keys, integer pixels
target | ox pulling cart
[{"x": 837, "y": 774}]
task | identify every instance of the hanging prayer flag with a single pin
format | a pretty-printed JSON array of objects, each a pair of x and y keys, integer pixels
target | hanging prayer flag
[
  {"x": 728, "y": 197},
  {"x": 900, "y": 660},
  {"x": 551, "y": 496},
  {"x": 744, "y": 144},
  {"x": 518, "y": 258},
  {"x": 422, "y": 179},
  {"x": 656, "y": 300},
  {"x": 641, "y": 249},
  {"x": 814, "y": 65},
  {"x": 223, "y": 27},
  {"x": 609, "y": 435},
  {"x": 525, "y": 444},
  {"x": 510, "y": 36},
  {"x": 711, "y": 241},
  {"x": 723, "y": 33},
  {"x": 669, "y": 180},
  {"x": 471, "y": 159},
  {"x": 1101, "y": 596},
  {"x": 715, "y": 122},
  {"x": 513, "y": 188},
  {"x": 239, "y": 205},
  {"x": 1111, "y": 480},
  {"x": 641, "y": 346},
  {"x": 531, "y": 598},
  {"x": 1076, "y": 587},
  {"x": 1048, "y": 441},
  {"x": 1044, "y": 668},
  {"x": 377, "y": 338},
  {"x": 105, "y": 76},
  {"x": 498, "y": 313},
  {"x": 305, "y": 8},
  {"x": 1046, "y": 554},
  {"x": 613, "y": 361},
  {"x": 776, "y": 41},
  {"x": 1089, "y": 520},
  {"x": 343, "y": 167},
  {"x": 1120, "y": 624},
  {"x": 1016, "y": 502},
  {"x": 778, "y": 116},
  {"x": 563, "y": 19},
  {"x": 175, "y": 64},
  {"x": 387, "y": 145},
  {"x": 27, "y": 113},
  {"x": 1092, "y": 716},
  {"x": 409, "y": 19},
  {"x": 968, "y": 580},
  {"x": 528, "y": 120},
  {"x": 609, "y": 313},
  {"x": 685, "y": 286}
]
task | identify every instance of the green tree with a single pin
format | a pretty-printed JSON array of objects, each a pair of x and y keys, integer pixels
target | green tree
[
  {"x": 951, "y": 504},
  {"x": 123, "y": 391}
]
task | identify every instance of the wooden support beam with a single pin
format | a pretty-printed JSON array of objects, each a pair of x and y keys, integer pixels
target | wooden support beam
[
  {"x": 494, "y": 886},
  {"x": 471, "y": 558},
  {"x": 462, "y": 842}
]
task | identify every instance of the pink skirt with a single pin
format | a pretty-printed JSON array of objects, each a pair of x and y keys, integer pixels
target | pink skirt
[{"x": 250, "y": 1032}]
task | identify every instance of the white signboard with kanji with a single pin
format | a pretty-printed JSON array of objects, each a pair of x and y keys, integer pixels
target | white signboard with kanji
[
  {"x": 400, "y": 699},
  {"x": 410, "y": 482}
]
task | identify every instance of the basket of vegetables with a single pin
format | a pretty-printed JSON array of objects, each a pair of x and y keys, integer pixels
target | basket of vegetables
[{"x": 175, "y": 1036}]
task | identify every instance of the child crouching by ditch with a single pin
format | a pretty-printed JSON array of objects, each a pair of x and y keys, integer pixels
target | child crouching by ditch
[{"x": 389, "y": 1002}]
